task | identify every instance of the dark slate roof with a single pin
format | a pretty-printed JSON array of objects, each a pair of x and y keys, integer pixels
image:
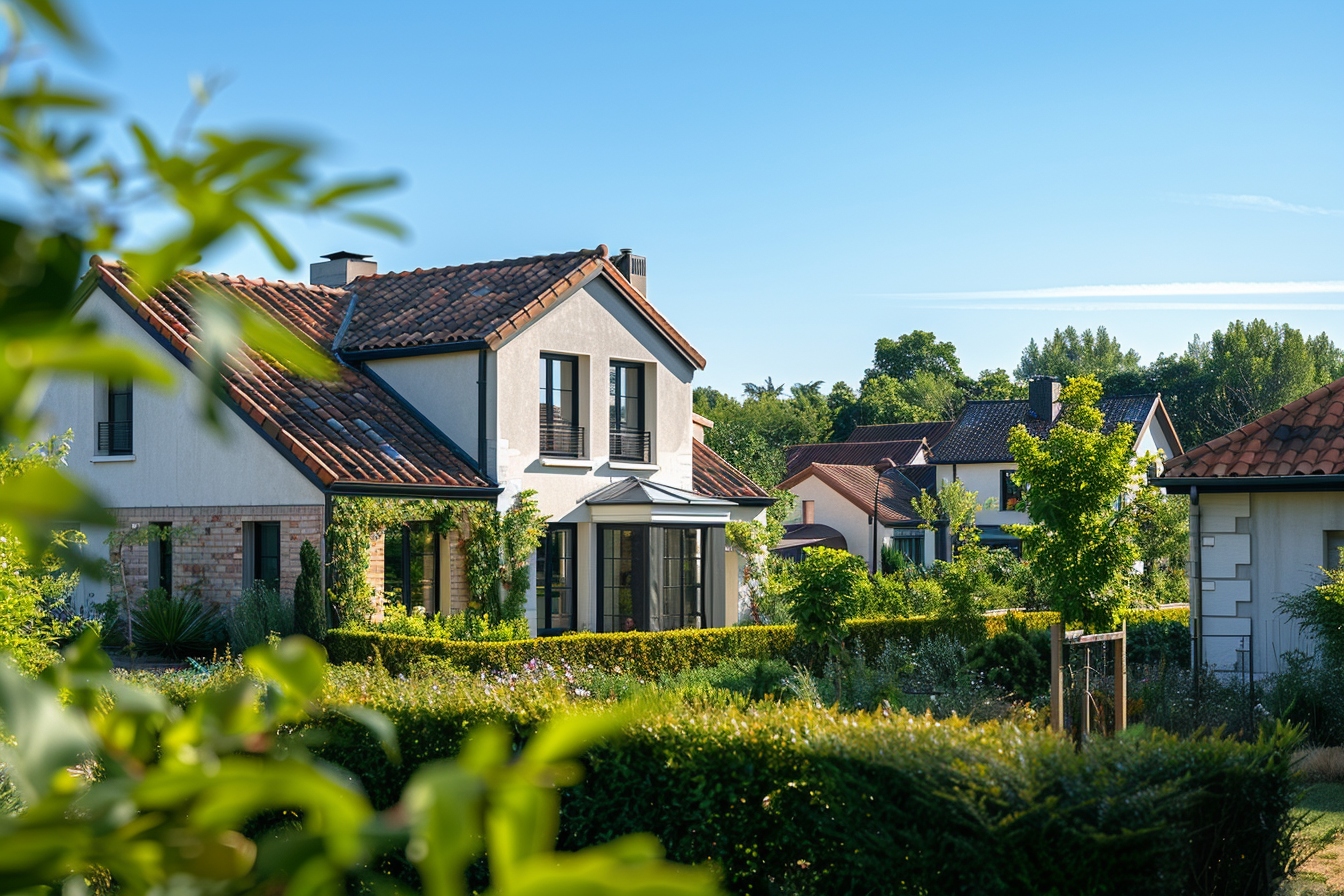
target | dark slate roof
[
  {"x": 714, "y": 477},
  {"x": 798, "y": 457},
  {"x": 923, "y": 476},
  {"x": 350, "y": 432},
  {"x": 930, "y": 431},
  {"x": 980, "y": 433},
  {"x": 1303, "y": 438},
  {"x": 633, "y": 490},
  {"x": 856, "y": 483},
  {"x": 484, "y": 303}
]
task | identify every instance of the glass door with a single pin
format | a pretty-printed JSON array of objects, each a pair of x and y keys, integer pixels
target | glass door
[
  {"x": 555, "y": 575},
  {"x": 683, "y": 577},
  {"x": 620, "y": 568}
]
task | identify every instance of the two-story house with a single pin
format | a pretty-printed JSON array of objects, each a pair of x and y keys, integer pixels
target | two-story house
[
  {"x": 975, "y": 452},
  {"x": 551, "y": 373}
]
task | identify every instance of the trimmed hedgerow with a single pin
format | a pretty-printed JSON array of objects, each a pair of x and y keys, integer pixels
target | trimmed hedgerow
[
  {"x": 650, "y": 654},
  {"x": 789, "y": 798}
]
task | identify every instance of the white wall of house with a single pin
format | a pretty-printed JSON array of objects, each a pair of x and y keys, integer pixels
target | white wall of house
[
  {"x": 443, "y": 387},
  {"x": 179, "y": 461},
  {"x": 834, "y": 510},
  {"x": 1256, "y": 548},
  {"x": 984, "y": 480}
]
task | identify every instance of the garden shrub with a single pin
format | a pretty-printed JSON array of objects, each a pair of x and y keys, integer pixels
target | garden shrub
[
  {"x": 310, "y": 608},
  {"x": 468, "y": 626},
  {"x": 259, "y": 612},
  {"x": 174, "y": 628},
  {"x": 1011, "y": 663}
]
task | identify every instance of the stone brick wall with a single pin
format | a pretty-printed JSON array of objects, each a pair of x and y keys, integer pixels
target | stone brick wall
[{"x": 213, "y": 558}]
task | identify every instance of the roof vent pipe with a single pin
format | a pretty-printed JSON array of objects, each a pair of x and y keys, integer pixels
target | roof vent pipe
[
  {"x": 341, "y": 268},
  {"x": 634, "y": 268},
  {"x": 1043, "y": 394}
]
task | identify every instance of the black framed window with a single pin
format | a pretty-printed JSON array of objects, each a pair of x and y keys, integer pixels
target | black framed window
[
  {"x": 411, "y": 566},
  {"x": 621, "y": 572},
  {"x": 161, "y": 559},
  {"x": 683, "y": 579},
  {"x": 911, "y": 547},
  {"x": 1010, "y": 493},
  {"x": 559, "y": 406},
  {"x": 556, "y": 578},
  {"x": 629, "y": 441},
  {"x": 114, "y": 434},
  {"x": 266, "y": 554}
]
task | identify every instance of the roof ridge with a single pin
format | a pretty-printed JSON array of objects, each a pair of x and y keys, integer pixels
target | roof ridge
[
  {"x": 224, "y": 277},
  {"x": 600, "y": 251}
]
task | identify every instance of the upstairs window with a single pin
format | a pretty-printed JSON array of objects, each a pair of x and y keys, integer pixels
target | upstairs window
[
  {"x": 1010, "y": 493},
  {"x": 559, "y": 383},
  {"x": 629, "y": 441},
  {"x": 114, "y": 433}
]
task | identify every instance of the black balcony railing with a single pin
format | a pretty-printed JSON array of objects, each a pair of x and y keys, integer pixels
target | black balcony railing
[
  {"x": 114, "y": 438},
  {"x": 631, "y": 445},
  {"x": 561, "y": 440}
]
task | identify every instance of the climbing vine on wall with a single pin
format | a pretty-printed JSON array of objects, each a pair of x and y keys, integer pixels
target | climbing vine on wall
[{"x": 498, "y": 548}]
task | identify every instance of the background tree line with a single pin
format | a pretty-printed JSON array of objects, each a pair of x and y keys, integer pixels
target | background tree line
[{"x": 1240, "y": 373}]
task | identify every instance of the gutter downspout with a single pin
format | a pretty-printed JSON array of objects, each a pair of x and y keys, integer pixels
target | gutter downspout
[
  {"x": 480, "y": 413},
  {"x": 1196, "y": 585}
]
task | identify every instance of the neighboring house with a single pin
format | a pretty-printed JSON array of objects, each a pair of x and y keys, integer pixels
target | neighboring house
[
  {"x": 1266, "y": 513},
  {"x": 974, "y": 450},
  {"x": 844, "y": 497},
  {"x": 551, "y": 373}
]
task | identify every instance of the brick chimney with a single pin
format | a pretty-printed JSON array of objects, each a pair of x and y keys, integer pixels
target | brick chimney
[
  {"x": 634, "y": 268},
  {"x": 1043, "y": 393},
  {"x": 809, "y": 513},
  {"x": 341, "y": 268}
]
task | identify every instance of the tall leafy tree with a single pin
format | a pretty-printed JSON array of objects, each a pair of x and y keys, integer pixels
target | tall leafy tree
[
  {"x": 918, "y": 351},
  {"x": 1081, "y": 541},
  {"x": 1069, "y": 353}
]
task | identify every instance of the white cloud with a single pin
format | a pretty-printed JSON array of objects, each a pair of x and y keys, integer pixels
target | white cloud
[
  {"x": 1256, "y": 203},
  {"x": 1154, "y": 306},
  {"x": 1143, "y": 290}
]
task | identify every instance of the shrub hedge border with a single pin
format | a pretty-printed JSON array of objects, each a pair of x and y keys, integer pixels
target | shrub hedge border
[{"x": 649, "y": 654}]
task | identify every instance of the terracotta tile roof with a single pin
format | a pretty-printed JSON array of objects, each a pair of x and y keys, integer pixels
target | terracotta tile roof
[
  {"x": 714, "y": 477},
  {"x": 349, "y": 432},
  {"x": 486, "y": 302},
  {"x": 798, "y": 457},
  {"x": 931, "y": 431},
  {"x": 980, "y": 433},
  {"x": 1302, "y": 438},
  {"x": 856, "y": 483}
]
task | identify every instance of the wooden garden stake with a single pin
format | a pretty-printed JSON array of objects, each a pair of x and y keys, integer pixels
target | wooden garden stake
[
  {"x": 1057, "y": 677},
  {"x": 1121, "y": 684}
]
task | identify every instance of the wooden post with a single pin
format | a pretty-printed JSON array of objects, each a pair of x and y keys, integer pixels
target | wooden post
[
  {"x": 1057, "y": 677},
  {"x": 1121, "y": 684}
]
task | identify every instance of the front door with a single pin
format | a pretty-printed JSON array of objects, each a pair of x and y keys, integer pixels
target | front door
[
  {"x": 622, "y": 603},
  {"x": 682, "y": 605}
]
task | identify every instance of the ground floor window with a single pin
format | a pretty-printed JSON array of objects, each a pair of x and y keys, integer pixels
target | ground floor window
[
  {"x": 556, "y": 579},
  {"x": 411, "y": 566},
  {"x": 650, "y": 577},
  {"x": 621, "y": 565},
  {"x": 911, "y": 547},
  {"x": 682, "y": 579},
  {"x": 266, "y": 555}
]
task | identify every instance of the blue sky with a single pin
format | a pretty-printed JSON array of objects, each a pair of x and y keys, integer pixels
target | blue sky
[{"x": 806, "y": 178}]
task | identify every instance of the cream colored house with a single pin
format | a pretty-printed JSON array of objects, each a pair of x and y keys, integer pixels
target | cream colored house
[
  {"x": 1266, "y": 513},
  {"x": 975, "y": 451},
  {"x": 551, "y": 373}
]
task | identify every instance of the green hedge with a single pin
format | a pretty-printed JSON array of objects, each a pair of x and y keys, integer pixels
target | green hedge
[
  {"x": 787, "y": 798},
  {"x": 649, "y": 654}
]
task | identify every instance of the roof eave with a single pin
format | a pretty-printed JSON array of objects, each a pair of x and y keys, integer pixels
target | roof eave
[
  {"x": 1295, "y": 483},
  {"x": 410, "y": 490},
  {"x": 412, "y": 351}
]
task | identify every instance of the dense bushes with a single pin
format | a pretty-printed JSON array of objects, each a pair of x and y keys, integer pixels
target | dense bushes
[
  {"x": 649, "y": 654},
  {"x": 788, "y": 798}
]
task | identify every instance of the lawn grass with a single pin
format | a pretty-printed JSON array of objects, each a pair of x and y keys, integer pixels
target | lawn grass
[{"x": 1323, "y": 873}]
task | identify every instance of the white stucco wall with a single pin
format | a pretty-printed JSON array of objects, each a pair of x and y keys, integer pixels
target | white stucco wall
[
  {"x": 834, "y": 510},
  {"x": 1255, "y": 549},
  {"x": 983, "y": 479},
  {"x": 178, "y": 461},
  {"x": 598, "y": 325},
  {"x": 442, "y": 387}
]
